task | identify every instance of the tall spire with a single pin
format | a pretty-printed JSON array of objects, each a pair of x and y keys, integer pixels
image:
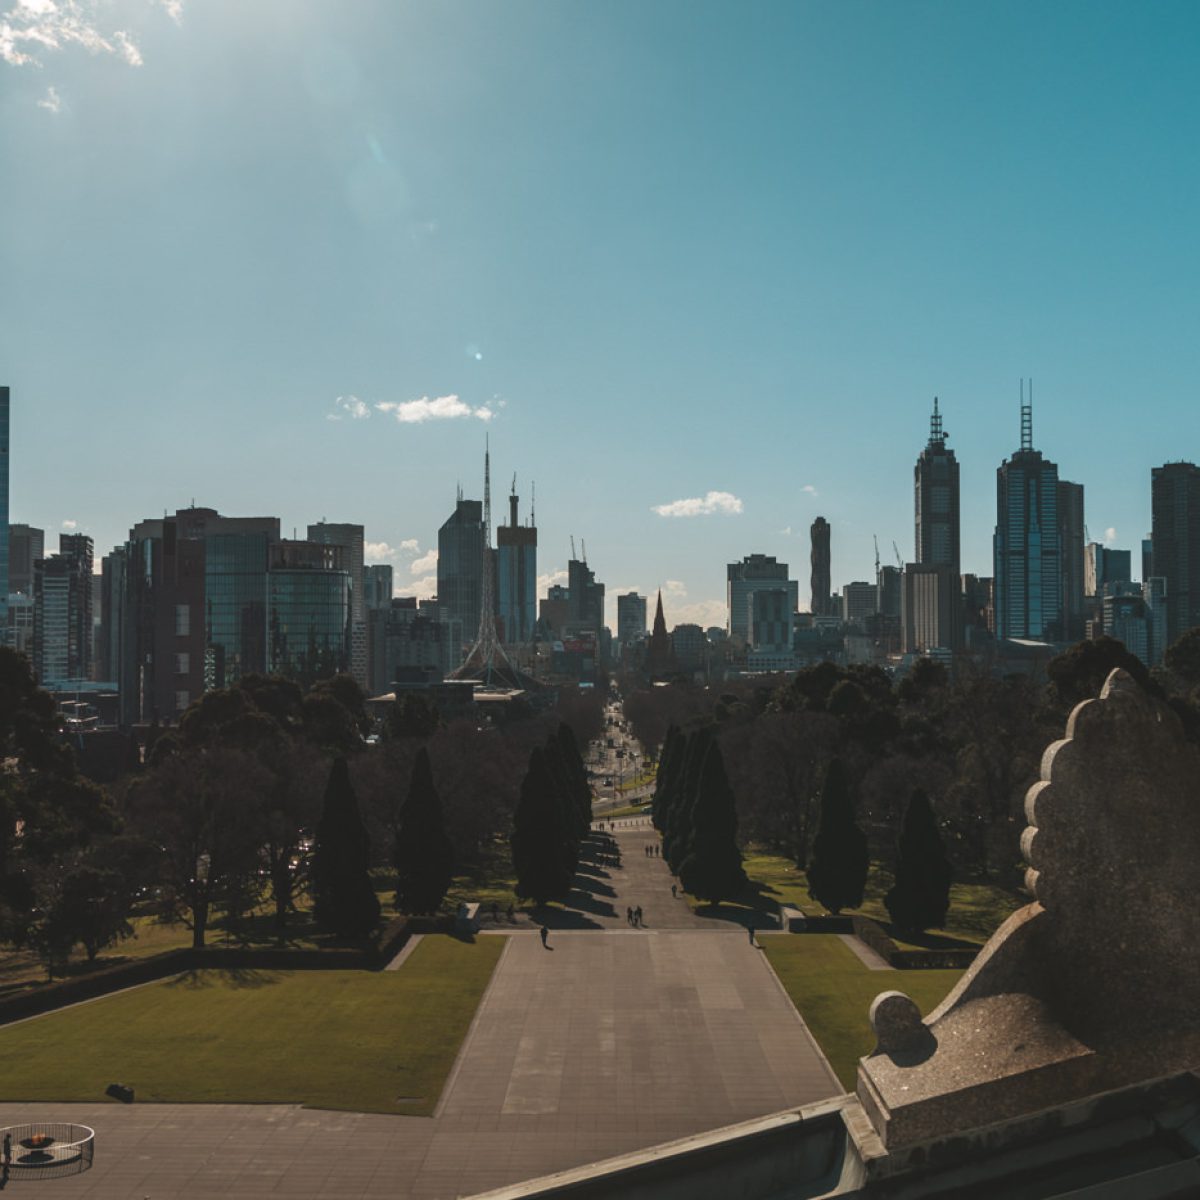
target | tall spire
[
  {"x": 937, "y": 434},
  {"x": 1026, "y": 417},
  {"x": 487, "y": 654}
]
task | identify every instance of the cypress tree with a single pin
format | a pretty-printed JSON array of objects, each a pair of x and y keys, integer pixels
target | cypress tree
[
  {"x": 837, "y": 872},
  {"x": 920, "y": 897},
  {"x": 540, "y": 851},
  {"x": 712, "y": 869},
  {"x": 580, "y": 787},
  {"x": 669, "y": 762},
  {"x": 343, "y": 898},
  {"x": 560, "y": 776},
  {"x": 422, "y": 855},
  {"x": 678, "y": 841}
]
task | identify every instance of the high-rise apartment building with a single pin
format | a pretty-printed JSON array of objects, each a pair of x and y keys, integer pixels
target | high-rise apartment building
[
  {"x": 309, "y": 609},
  {"x": 460, "y": 567},
  {"x": 1025, "y": 547},
  {"x": 62, "y": 621},
  {"x": 585, "y": 599},
  {"x": 1102, "y": 565},
  {"x": 631, "y": 618},
  {"x": 860, "y": 602},
  {"x": 350, "y": 537},
  {"x": 933, "y": 608},
  {"x": 743, "y": 579},
  {"x": 935, "y": 487},
  {"x": 516, "y": 576},
  {"x": 25, "y": 546},
  {"x": 378, "y": 586},
  {"x": 820, "y": 562},
  {"x": 1071, "y": 552},
  {"x": 1175, "y": 537}
]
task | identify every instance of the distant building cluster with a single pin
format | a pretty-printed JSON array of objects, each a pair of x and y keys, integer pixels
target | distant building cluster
[{"x": 198, "y": 600}]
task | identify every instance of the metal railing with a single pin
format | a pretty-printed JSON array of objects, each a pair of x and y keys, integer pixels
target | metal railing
[{"x": 45, "y": 1150}]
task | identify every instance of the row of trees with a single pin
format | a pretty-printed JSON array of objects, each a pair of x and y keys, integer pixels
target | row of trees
[
  {"x": 262, "y": 792},
  {"x": 693, "y": 808},
  {"x": 972, "y": 743}
]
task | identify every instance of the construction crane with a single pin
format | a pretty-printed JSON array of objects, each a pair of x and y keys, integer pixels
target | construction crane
[
  {"x": 899, "y": 556},
  {"x": 572, "y": 545},
  {"x": 583, "y": 547}
]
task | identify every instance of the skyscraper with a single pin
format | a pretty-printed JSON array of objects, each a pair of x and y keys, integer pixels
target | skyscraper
[
  {"x": 935, "y": 484},
  {"x": 1175, "y": 538},
  {"x": 460, "y": 566},
  {"x": 350, "y": 537},
  {"x": 743, "y": 579},
  {"x": 585, "y": 599},
  {"x": 25, "y": 546},
  {"x": 1071, "y": 548},
  {"x": 516, "y": 575},
  {"x": 1025, "y": 549},
  {"x": 377, "y": 586},
  {"x": 820, "y": 561},
  {"x": 62, "y": 630},
  {"x": 631, "y": 618}
]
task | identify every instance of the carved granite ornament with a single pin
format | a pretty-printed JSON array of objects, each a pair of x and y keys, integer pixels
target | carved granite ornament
[{"x": 1095, "y": 984}]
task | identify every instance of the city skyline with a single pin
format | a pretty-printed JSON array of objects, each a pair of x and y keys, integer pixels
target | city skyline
[{"x": 699, "y": 274}]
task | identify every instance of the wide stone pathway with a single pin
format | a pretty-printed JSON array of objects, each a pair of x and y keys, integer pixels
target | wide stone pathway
[{"x": 610, "y": 1040}]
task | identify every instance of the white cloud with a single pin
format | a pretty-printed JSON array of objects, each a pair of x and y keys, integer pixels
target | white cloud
[
  {"x": 30, "y": 28},
  {"x": 551, "y": 579},
  {"x": 410, "y": 546},
  {"x": 704, "y": 613},
  {"x": 379, "y": 552},
  {"x": 1110, "y": 535},
  {"x": 712, "y": 502},
  {"x": 808, "y": 489},
  {"x": 427, "y": 562},
  {"x": 786, "y": 531},
  {"x": 51, "y": 101},
  {"x": 423, "y": 589},
  {"x": 349, "y": 406},
  {"x": 675, "y": 589},
  {"x": 441, "y": 408},
  {"x": 173, "y": 9},
  {"x": 69, "y": 524}
]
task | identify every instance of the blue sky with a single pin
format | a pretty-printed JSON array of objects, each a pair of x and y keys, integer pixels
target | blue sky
[{"x": 654, "y": 250}]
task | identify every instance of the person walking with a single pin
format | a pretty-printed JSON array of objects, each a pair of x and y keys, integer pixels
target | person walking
[
  {"x": 637, "y": 915},
  {"x": 628, "y": 916},
  {"x": 7, "y": 1152},
  {"x": 545, "y": 936},
  {"x": 750, "y": 930},
  {"x": 674, "y": 892}
]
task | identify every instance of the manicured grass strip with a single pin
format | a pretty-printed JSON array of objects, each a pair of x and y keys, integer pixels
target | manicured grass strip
[
  {"x": 833, "y": 991},
  {"x": 361, "y": 1040},
  {"x": 977, "y": 910}
]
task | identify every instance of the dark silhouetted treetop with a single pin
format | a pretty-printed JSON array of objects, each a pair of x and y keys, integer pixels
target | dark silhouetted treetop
[
  {"x": 920, "y": 897},
  {"x": 343, "y": 898},
  {"x": 712, "y": 869},
  {"x": 540, "y": 837},
  {"x": 837, "y": 873},
  {"x": 423, "y": 856}
]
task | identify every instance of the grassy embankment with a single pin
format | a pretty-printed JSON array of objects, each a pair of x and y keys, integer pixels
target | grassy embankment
[
  {"x": 361, "y": 1040},
  {"x": 833, "y": 991}
]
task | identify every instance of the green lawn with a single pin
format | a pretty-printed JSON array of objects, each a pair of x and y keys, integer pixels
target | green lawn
[
  {"x": 833, "y": 991},
  {"x": 976, "y": 909},
  {"x": 361, "y": 1040},
  {"x": 641, "y": 809}
]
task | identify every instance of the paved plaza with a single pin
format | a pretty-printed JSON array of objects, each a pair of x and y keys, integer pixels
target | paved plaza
[{"x": 610, "y": 1039}]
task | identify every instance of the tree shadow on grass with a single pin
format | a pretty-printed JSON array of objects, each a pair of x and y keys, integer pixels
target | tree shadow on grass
[{"x": 235, "y": 977}]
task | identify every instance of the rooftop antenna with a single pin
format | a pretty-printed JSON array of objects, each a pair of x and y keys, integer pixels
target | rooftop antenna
[
  {"x": 1026, "y": 417},
  {"x": 532, "y": 503},
  {"x": 583, "y": 546},
  {"x": 573, "y": 546},
  {"x": 937, "y": 434}
]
